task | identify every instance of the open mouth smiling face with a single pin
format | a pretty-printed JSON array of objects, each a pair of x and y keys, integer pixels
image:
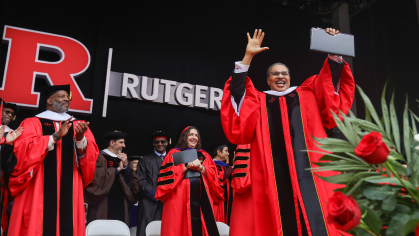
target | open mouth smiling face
[{"x": 279, "y": 78}]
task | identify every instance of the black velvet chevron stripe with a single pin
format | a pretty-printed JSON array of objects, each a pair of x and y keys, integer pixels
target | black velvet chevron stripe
[
  {"x": 166, "y": 174},
  {"x": 241, "y": 158},
  {"x": 167, "y": 165},
  {"x": 165, "y": 182},
  {"x": 242, "y": 150},
  {"x": 239, "y": 175},
  {"x": 240, "y": 166}
]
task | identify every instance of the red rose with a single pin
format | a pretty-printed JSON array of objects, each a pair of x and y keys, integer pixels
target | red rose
[
  {"x": 344, "y": 212},
  {"x": 372, "y": 149},
  {"x": 417, "y": 230}
]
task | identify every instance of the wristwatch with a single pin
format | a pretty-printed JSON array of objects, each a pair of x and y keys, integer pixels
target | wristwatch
[{"x": 55, "y": 135}]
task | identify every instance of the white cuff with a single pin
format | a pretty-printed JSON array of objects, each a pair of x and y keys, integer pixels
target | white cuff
[
  {"x": 82, "y": 143},
  {"x": 239, "y": 68},
  {"x": 51, "y": 143},
  {"x": 234, "y": 104},
  {"x": 336, "y": 58}
]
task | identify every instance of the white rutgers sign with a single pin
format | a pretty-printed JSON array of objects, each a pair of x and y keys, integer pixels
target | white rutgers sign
[{"x": 159, "y": 90}]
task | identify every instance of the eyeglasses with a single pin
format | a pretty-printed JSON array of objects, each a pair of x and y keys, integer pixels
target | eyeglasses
[
  {"x": 162, "y": 142},
  {"x": 276, "y": 73},
  {"x": 8, "y": 112}
]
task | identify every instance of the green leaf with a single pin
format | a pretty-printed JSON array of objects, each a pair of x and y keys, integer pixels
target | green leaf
[
  {"x": 385, "y": 111},
  {"x": 348, "y": 133},
  {"x": 394, "y": 123},
  {"x": 412, "y": 120},
  {"x": 387, "y": 180},
  {"x": 399, "y": 168},
  {"x": 370, "y": 107},
  {"x": 371, "y": 219},
  {"x": 367, "y": 115},
  {"x": 337, "y": 179},
  {"x": 401, "y": 210},
  {"x": 396, "y": 224},
  {"x": 410, "y": 226},
  {"x": 375, "y": 192},
  {"x": 389, "y": 203},
  {"x": 334, "y": 145},
  {"x": 406, "y": 131}
]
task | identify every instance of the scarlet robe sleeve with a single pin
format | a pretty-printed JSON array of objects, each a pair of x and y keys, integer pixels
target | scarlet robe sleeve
[
  {"x": 216, "y": 191},
  {"x": 169, "y": 176},
  {"x": 241, "y": 175},
  {"x": 327, "y": 96},
  {"x": 102, "y": 183},
  {"x": 30, "y": 150},
  {"x": 239, "y": 120},
  {"x": 88, "y": 162}
]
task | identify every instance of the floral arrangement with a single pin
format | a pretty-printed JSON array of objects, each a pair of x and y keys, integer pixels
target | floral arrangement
[{"x": 378, "y": 169}]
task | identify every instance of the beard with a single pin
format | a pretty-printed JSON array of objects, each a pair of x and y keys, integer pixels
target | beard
[{"x": 59, "y": 107}]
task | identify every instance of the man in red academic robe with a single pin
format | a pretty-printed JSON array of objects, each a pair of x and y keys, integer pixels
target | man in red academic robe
[
  {"x": 283, "y": 198},
  {"x": 56, "y": 156}
]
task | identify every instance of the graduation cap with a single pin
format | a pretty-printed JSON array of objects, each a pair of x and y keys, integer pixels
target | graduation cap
[
  {"x": 161, "y": 134},
  {"x": 217, "y": 146},
  {"x": 11, "y": 106},
  {"x": 115, "y": 135},
  {"x": 48, "y": 91},
  {"x": 133, "y": 158}
]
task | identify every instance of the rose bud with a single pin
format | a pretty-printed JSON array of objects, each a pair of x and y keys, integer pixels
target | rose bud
[
  {"x": 372, "y": 149},
  {"x": 344, "y": 212}
]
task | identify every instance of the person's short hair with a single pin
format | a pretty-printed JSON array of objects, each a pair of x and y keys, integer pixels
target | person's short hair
[
  {"x": 215, "y": 151},
  {"x": 183, "y": 138},
  {"x": 268, "y": 72},
  {"x": 108, "y": 141}
]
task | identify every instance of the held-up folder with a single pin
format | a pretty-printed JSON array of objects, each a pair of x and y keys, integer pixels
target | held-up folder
[
  {"x": 339, "y": 44},
  {"x": 186, "y": 157}
]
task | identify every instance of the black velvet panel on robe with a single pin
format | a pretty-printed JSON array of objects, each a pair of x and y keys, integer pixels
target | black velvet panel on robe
[
  {"x": 282, "y": 172},
  {"x": 66, "y": 184}
]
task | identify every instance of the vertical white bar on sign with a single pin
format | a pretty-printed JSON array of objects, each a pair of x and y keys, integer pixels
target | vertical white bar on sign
[{"x": 108, "y": 75}]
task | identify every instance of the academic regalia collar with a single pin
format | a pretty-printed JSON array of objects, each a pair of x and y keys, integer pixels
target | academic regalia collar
[
  {"x": 6, "y": 129},
  {"x": 183, "y": 149},
  {"x": 109, "y": 153},
  {"x": 220, "y": 163},
  {"x": 50, "y": 115},
  {"x": 276, "y": 93},
  {"x": 159, "y": 154}
]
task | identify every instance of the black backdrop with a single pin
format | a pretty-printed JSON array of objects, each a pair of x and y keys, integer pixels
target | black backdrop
[{"x": 197, "y": 42}]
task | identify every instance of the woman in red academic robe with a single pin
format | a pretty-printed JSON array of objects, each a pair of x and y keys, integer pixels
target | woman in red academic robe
[
  {"x": 278, "y": 195},
  {"x": 187, "y": 203}
]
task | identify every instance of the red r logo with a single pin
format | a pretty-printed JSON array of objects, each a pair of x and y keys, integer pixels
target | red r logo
[
  {"x": 23, "y": 65},
  {"x": 111, "y": 163}
]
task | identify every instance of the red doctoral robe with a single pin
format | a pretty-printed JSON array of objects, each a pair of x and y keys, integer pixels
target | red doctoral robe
[
  {"x": 282, "y": 197},
  {"x": 187, "y": 203},
  {"x": 48, "y": 185}
]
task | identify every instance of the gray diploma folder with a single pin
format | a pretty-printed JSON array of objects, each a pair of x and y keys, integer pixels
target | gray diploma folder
[
  {"x": 186, "y": 157},
  {"x": 339, "y": 44}
]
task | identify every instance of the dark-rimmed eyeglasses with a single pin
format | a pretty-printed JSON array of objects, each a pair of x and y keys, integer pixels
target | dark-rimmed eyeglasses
[
  {"x": 9, "y": 112},
  {"x": 277, "y": 73},
  {"x": 161, "y": 141}
]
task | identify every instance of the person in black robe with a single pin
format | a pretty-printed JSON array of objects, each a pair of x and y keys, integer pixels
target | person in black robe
[
  {"x": 111, "y": 195},
  {"x": 149, "y": 208},
  {"x": 8, "y": 160}
]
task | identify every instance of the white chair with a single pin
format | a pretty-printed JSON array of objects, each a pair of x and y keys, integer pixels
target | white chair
[
  {"x": 223, "y": 229},
  {"x": 133, "y": 231},
  {"x": 153, "y": 228},
  {"x": 107, "y": 228}
]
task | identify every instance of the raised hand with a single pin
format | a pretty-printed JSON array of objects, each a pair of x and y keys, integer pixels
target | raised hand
[
  {"x": 64, "y": 128},
  {"x": 253, "y": 44},
  {"x": 81, "y": 128},
  {"x": 332, "y": 31},
  {"x": 13, "y": 135},
  {"x": 124, "y": 158}
]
